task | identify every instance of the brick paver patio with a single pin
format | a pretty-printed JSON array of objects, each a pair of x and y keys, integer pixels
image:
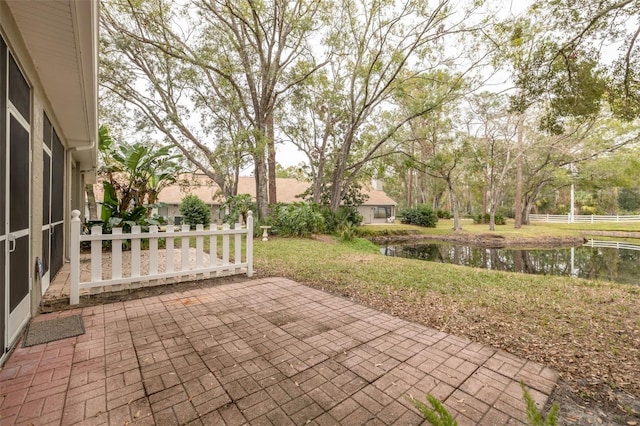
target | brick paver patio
[{"x": 268, "y": 351}]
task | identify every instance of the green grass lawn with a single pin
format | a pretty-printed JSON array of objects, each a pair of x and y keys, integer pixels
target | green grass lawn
[
  {"x": 585, "y": 329},
  {"x": 535, "y": 230}
]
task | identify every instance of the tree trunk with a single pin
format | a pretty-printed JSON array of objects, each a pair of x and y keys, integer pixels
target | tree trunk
[
  {"x": 410, "y": 189},
  {"x": 91, "y": 202},
  {"x": 271, "y": 155},
  {"x": 518, "y": 260},
  {"x": 454, "y": 206},
  {"x": 436, "y": 202},
  {"x": 336, "y": 187},
  {"x": 338, "y": 174},
  {"x": 492, "y": 219},
  {"x": 484, "y": 200},
  {"x": 518, "y": 207},
  {"x": 317, "y": 183},
  {"x": 261, "y": 184},
  {"x": 529, "y": 202}
]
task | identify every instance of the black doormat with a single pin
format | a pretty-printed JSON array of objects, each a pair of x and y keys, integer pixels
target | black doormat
[{"x": 51, "y": 330}]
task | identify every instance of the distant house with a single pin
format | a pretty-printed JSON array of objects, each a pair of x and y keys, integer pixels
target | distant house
[
  {"x": 48, "y": 133},
  {"x": 378, "y": 208}
]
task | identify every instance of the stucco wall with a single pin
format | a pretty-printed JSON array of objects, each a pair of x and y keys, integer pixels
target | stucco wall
[
  {"x": 367, "y": 213},
  {"x": 39, "y": 103}
]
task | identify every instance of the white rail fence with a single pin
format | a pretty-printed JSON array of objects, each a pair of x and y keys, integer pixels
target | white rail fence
[
  {"x": 579, "y": 218},
  {"x": 148, "y": 268},
  {"x": 612, "y": 244}
]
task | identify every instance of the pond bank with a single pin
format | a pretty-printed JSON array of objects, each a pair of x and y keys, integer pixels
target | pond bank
[{"x": 485, "y": 240}]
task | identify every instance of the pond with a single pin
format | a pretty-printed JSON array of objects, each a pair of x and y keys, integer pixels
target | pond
[{"x": 606, "y": 263}]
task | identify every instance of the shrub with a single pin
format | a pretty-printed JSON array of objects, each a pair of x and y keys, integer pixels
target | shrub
[
  {"x": 297, "y": 220},
  {"x": 435, "y": 413},
  {"x": 444, "y": 214},
  {"x": 422, "y": 215},
  {"x": 238, "y": 207},
  {"x": 534, "y": 415},
  {"x": 195, "y": 211},
  {"x": 346, "y": 231},
  {"x": 499, "y": 219}
]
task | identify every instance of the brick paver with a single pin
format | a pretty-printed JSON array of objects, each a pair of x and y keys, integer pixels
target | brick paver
[{"x": 267, "y": 351}]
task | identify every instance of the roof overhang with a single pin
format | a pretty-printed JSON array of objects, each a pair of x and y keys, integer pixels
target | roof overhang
[{"x": 61, "y": 37}]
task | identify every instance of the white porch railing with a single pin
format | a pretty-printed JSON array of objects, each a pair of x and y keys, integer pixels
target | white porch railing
[
  {"x": 153, "y": 270},
  {"x": 583, "y": 218}
]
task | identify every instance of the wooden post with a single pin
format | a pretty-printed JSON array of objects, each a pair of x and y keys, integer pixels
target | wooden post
[{"x": 74, "y": 291}]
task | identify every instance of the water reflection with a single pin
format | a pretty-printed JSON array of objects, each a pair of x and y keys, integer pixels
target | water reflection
[{"x": 606, "y": 263}]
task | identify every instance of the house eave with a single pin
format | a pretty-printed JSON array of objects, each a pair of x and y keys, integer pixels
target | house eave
[{"x": 61, "y": 37}]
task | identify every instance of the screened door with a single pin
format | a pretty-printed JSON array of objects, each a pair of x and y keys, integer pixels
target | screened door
[
  {"x": 15, "y": 179},
  {"x": 3, "y": 198},
  {"x": 52, "y": 204}
]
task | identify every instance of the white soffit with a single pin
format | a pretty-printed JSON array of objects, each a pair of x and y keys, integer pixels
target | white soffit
[{"x": 62, "y": 39}]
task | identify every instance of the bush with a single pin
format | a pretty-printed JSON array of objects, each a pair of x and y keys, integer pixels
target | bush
[
  {"x": 422, "y": 215},
  {"x": 297, "y": 220},
  {"x": 194, "y": 211},
  {"x": 444, "y": 214},
  {"x": 479, "y": 218},
  {"x": 238, "y": 207},
  {"x": 346, "y": 231}
]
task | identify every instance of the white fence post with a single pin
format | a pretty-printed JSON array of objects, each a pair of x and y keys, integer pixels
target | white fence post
[
  {"x": 153, "y": 250},
  {"x": 135, "y": 250},
  {"x": 184, "y": 248},
  {"x": 213, "y": 247},
  {"x": 116, "y": 255},
  {"x": 237, "y": 245},
  {"x": 250, "y": 244},
  {"x": 225, "y": 245},
  {"x": 96, "y": 255},
  {"x": 169, "y": 249},
  {"x": 199, "y": 250},
  {"x": 199, "y": 246},
  {"x": 74, "y": 290}
]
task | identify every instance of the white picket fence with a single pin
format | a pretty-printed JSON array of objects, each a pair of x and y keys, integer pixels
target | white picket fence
[
  {"x": 612, "y": 244},
  {"x": 580, "y": 218},
  {"x": 153, "y": 272}
]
